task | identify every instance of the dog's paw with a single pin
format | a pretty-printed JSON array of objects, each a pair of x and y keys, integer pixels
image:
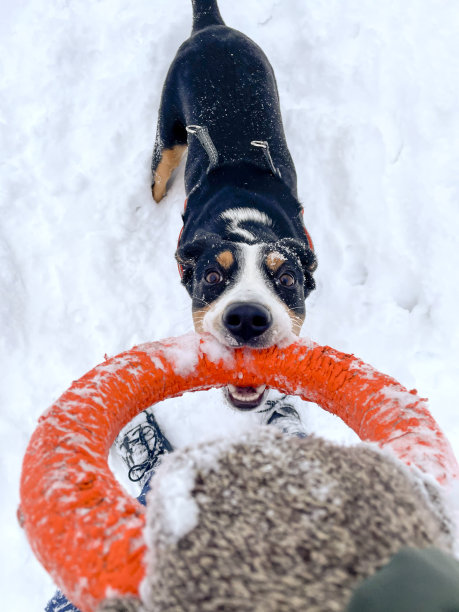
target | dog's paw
[{"x": 157, "y": 193}]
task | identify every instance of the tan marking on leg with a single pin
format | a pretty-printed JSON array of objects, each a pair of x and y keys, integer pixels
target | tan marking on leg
[
  {"x": 274, "y": 260},
  {"x": 198, "y": 318},
  {"x": 225, "y": 259},
  {"x": 169, "y": 161}
]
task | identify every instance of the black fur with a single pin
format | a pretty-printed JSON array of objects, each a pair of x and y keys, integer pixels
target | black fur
[{"x": 222, "y": 82}]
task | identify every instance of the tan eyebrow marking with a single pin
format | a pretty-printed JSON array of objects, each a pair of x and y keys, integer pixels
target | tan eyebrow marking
[
  {"x": 274, "y": 260},
  {"x": 225, "y": 259}
]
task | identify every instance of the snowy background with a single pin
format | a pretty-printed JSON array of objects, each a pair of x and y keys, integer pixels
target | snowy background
[{"x": 370, "y": 94}]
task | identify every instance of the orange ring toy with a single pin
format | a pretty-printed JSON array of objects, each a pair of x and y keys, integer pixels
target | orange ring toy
[{"x": 82, "y": 526}]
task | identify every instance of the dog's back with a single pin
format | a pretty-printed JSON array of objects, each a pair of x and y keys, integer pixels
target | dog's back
[{"x": 222, "y": 80}]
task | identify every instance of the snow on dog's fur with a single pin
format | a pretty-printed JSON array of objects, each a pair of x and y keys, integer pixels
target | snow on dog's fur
[{"x": 280, "y": 524}]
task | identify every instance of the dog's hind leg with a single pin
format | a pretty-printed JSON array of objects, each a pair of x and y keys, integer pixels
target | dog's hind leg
[
  {"x": 171, "y": 140},
  {"x": 171, "y": 136},
  {"x": 170, "y": 159}
]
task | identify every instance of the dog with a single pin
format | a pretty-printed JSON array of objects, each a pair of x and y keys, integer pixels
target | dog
[{"x": 244, "y": 254}]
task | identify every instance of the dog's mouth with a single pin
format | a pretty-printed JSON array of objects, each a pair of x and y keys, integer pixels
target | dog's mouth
[{"x": 245, "y": 398}]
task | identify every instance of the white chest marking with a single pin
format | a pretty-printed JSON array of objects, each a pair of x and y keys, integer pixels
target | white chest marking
[{"x": 237, "y": 216}]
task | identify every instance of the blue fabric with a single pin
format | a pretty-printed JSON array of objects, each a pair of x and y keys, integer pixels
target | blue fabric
[{"x": 60, "y": 603}]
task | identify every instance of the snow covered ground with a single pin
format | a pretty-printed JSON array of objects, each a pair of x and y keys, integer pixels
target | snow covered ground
[{"x": 369, "y": 92}]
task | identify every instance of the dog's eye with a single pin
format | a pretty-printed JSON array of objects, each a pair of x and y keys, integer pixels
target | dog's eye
[
  {"x": 213, "y": 277},
  {"x": 287, "y": 279}
]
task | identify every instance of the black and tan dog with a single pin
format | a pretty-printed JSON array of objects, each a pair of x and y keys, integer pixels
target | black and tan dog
[{"x": 244, "y": 253}]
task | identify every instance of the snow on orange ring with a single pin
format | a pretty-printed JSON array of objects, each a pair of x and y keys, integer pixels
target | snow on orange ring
[{"x": 82, "y": 526}]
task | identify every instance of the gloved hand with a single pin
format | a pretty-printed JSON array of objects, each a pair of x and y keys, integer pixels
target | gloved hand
[{"x": 413, "y": 581}]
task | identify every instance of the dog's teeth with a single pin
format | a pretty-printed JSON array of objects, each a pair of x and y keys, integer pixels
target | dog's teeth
[{"x": 246, "y": 394}]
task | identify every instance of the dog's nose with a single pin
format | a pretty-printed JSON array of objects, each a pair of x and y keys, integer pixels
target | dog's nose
[{"x": 245, "y": 320}]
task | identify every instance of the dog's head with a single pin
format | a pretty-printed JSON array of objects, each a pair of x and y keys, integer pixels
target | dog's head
[{"x": 247, "y": 294}]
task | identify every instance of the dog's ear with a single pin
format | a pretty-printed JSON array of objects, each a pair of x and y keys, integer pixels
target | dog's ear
[
  {"x": 307, "y": 258},
  {"x": 188, "y": 253}
]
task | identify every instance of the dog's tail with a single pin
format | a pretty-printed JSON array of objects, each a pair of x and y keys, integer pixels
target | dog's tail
[{"x": 205, "y": 13}]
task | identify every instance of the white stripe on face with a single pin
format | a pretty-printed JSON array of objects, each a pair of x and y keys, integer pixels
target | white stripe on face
[{"x": 251, "y": 286}]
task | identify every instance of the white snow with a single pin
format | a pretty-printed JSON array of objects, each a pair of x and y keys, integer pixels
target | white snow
[
  {"x": 179, "y": 510},
  {"x": 369, "y": 92},
  {"x": 183, "y": 353}
]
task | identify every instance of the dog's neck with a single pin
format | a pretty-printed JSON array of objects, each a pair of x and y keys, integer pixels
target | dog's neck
[{"x": 242, "y": 185}]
